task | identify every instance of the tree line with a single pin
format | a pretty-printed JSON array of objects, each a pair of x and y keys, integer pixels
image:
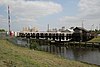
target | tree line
[{"x": 2, "y": 30}]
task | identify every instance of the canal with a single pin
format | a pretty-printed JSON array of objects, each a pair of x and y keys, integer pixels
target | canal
[{"x": 88, "y": 55}]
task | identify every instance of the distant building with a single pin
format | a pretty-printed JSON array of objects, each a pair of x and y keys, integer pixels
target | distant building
[
  {"x": 71, "y": 28},
  {"x": 28, "y": 29},
  {"x": 62, "y": 29},
  {"x": 34, "y": 29}
]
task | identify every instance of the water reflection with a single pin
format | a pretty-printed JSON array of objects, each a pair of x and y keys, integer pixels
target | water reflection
[{"x": 81, "y": 54}]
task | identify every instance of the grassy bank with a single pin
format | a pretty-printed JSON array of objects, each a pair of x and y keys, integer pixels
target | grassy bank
[
  {"x": 96, "y": 39},
  {"x": 14, "y": 56}
]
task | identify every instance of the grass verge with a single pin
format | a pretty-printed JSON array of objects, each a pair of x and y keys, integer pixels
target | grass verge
[{"x": 96, "y": 39}]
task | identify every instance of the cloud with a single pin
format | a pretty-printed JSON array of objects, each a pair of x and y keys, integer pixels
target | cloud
[
  {"x": 2, "y": 19},
  {"x": 89, "y": 11},
  {"x": 31, "y": 10},
  {"x": 89, "y": 8},
  {"x": 70, "y": 19},
  {"x": 3, "y": 22}
]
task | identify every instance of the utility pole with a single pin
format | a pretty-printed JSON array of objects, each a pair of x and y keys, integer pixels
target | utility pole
[
  {"x": 9, "y": 19},
  {"x": 82, "y": 24},
  {"x": 92, "y": 27},
  {"x": 82, "y": 31},
  {"x": 48, "y": 28}
]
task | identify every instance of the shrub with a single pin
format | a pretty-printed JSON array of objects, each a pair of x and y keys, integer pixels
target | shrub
[{"x": 34, "y": 45}]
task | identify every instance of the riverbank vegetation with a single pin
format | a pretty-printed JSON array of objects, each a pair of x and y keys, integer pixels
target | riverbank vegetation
[{"x": 15, "y": 56}]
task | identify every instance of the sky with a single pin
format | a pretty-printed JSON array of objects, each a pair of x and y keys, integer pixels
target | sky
[{"x": 56, "y": 13}]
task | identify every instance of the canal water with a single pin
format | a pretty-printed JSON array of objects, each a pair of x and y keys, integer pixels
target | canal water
[{"x": 88, "y": 55}]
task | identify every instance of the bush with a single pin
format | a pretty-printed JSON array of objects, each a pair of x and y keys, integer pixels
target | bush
[{"x": 34, "y": 46}]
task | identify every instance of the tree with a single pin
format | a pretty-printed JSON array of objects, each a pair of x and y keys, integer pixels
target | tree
[{"x": 2, "y": 30}]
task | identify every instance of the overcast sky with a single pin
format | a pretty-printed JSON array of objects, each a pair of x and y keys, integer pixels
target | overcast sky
[{"x": 56, "y": 13}]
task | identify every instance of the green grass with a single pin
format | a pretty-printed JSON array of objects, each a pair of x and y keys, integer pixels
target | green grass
[
  {"x": 14, "y": 56},
  {"x": 96, "y": 39}
]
